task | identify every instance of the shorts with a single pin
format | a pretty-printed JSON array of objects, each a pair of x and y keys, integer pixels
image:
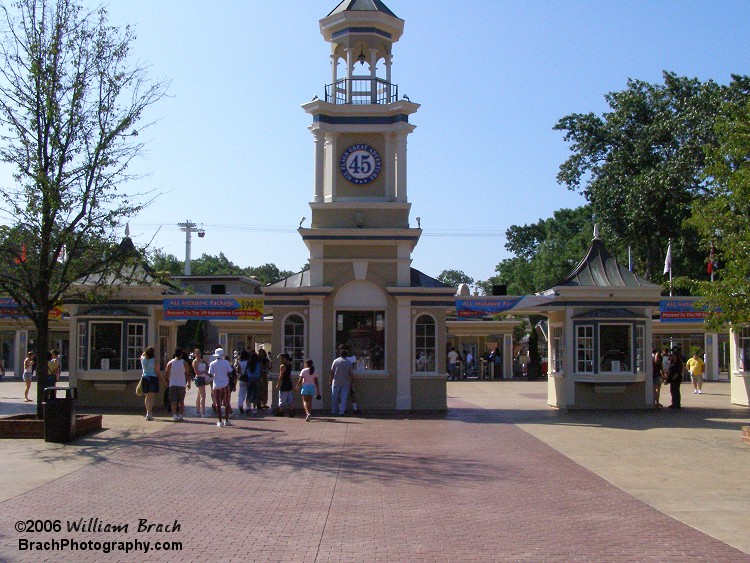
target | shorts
[
  {"x": 220, "y": 396},
  {"x": 308, "y": 389},
  {"x": 150, "y": 384},
  {"x": 26, "y": 376},
  {"x": 199, "y": 381},
  {"x": 286, "y": 398},
  {"x": 698, "y": 378},
  {"x": 658, "y": 380},
  {"x": 176, "y": 394}
]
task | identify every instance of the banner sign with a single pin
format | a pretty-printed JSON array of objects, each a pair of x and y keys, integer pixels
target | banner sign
[
  {"x": 467, "y": 308},
  {"x": 680, "y": 311},
  {"x": 9, "y": 310},
  {"x": 213, "y": 308}
]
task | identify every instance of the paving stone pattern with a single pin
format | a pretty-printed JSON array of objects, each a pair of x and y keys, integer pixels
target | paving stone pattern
[{"x": 466, "y": 487}]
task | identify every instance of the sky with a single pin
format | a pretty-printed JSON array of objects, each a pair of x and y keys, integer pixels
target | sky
[{"x": 230, "y": 151}]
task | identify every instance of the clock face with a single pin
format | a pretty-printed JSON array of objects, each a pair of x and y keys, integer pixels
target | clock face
[{"x": 360, "y": 164}]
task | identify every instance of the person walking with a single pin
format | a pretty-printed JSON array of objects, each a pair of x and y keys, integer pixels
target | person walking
[
  {"x": 285, "y": 387},
  {"x": 178, "y": 376},
  {"x": 674, "y": 378},
  {"x": 695, "y": 366},
  {"x": 308, "y": 386},
  {"x": 200, "y": 367},
  {"x": 657, "y": 376},
  {"x": 220, "y": 369},
  {"x": 241, "y": 367},
  {"x": 28, "y": 372},
  {"x": 53, "y": 368},
  {"x": 149, "y": 380},
  {"x": 253, "y": 383},
  {"x": 265, "y": 368},
  {"x": 341, "y": 382}
]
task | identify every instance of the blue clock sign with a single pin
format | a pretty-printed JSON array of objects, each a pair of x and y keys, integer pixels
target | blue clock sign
[{"x": 360, "y": 164}]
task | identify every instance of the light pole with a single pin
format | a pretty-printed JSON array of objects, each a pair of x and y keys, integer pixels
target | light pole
[{"x": 189, "y": 228}]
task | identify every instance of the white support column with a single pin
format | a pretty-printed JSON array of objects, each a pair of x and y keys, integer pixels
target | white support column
[
  {"x": 319, "y": 164},
  {"x": 570, "y": 358},
  {"x": 401, "y": 166},
  {"x": 404, "y": 355},
  {"x": 388, "y": 60},
  {"x": 349, "y": 73},
  {"x": 648, "y": 337},
  {"x": 508, "y": 356},
  {"x": 329, "y": 164},
  {"x": 373, "y": 59},
  {"x": 315, "y": 343},
  {"x": 334, "y": 75},
  {"x": 390, "y": 167},
  {"x": 711, "y": 347}
]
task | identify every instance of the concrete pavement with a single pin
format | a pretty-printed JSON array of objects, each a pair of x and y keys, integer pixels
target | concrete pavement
[{"x": 500, "y": 477}]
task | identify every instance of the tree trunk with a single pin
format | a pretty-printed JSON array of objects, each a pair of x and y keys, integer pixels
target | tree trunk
[{"x": 41, "y": 322}]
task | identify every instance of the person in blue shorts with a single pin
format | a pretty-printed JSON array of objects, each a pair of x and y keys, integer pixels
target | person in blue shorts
[{"x": 308, "y": 386}]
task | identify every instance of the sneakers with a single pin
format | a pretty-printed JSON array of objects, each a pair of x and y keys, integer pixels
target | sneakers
[
  {"x": 149, "y": 416},
  {"x": 220, "y": 424},
  {"x": 176, "y": 418},
  {"x": 307, "y": 418},
  {"x": 700, "y": 392},
  {"x": 695, "y": 392},
  {"x": 227, "y": 423}
]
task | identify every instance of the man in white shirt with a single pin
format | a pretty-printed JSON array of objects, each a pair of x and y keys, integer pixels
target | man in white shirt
[
  {"x": 341, "y": 381},
  {"x": 452, "y": 364},
  {"x": 220, "y": 369}
]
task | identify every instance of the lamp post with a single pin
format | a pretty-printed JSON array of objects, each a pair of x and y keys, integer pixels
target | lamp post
[{"x": 189, "y": 228}]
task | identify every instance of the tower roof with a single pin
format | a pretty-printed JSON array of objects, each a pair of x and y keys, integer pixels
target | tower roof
[
  {"x": 600, "y": 269},
  {"x": 362, "y": 6}
]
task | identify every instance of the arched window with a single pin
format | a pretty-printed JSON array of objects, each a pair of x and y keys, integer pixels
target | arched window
[
  {"x": 294, "y": 340},
  {"x": 425, "y": 344}
]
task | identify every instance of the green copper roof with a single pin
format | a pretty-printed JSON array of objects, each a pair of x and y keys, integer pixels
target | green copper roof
[{"x": 362, "y": 6}]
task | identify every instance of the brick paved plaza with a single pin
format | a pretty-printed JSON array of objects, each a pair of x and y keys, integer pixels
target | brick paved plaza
[{"x": 469, "y": 486}]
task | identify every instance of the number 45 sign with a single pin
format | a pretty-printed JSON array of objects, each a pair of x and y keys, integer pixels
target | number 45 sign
[{"x": 360, "y": 164}]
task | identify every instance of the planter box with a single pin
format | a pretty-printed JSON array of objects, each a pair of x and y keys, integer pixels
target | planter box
[{"x": 28, "y": 426}]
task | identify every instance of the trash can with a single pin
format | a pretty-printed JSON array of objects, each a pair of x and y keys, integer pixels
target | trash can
[{"x": 59, "y": 414}]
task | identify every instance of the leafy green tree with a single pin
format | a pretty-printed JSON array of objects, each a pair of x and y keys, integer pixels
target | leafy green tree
[
  {"x": 70, "y": 103},
  {"x": 455, "y": 278},
  {"x": 722, "y": 216},
  {"x": 546, "y": 251},
  {"x": 640, "y": 165},
  {"x": 166, "y": 263},
  {"x": 267, "y": 273}
]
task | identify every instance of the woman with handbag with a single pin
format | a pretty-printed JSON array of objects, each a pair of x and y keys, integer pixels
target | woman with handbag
[{"x": 200, "y": 367}]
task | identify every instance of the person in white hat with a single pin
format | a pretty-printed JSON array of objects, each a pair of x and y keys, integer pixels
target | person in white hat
[{"x": 220, "y": 369}]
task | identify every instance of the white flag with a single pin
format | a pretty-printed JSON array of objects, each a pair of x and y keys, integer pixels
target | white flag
[{"x": 668, "y": 260}]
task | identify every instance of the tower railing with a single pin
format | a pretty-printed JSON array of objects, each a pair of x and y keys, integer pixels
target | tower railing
[{"x": 361, "y": 90}]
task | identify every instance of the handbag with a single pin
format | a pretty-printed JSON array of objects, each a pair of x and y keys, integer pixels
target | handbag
[{"x": 139, "y": 388}]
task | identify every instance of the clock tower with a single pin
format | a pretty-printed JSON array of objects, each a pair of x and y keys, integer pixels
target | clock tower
[{"x": 360, "y": 292}]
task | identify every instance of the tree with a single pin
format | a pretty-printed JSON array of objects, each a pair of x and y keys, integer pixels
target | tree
[
  {"x": 69, "y": 105},
  {"x": 267, "y": 273},
  {"x": 640, "y": 165},
  {"x": 722, "y": 217},
  {"x": 546, "y": 251},
  {"x": 455, "y": 278}
]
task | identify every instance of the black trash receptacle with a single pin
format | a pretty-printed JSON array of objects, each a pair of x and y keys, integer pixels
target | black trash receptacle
[{"x": 59, "y": 414}]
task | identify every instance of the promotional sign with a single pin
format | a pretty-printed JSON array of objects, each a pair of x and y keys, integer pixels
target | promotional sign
[
  {"x": 213, "y": 308},
  {"x": 9, "y": 310},
  {"x": 680, "y": 311},
  {"x": 467, "y": 308}
]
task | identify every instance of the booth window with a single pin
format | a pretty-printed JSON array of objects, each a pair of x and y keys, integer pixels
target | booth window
[
  {"x": 585, "y": 349},
  {"x": 81, "y": 346},
  {"x": 615, "y": 348},
  {"x": 294, "y": 340},
  {"x": 425, "y": 344},
  {"x": 136, "y": 344},
  {"x": 640, "y": 349},
  {"x": 558, "y": 349},
  {"x": 105, "y": 345},
  {"x": 363, "y": 333},
  {"x": 743, "y": 347}
]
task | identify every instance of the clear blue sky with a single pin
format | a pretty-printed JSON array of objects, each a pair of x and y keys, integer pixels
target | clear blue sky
[{"x": 230, "y": 149}]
